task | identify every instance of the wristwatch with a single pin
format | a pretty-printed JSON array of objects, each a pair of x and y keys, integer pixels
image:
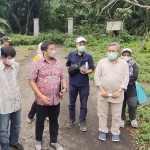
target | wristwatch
[{"x": 65, "y": 88}]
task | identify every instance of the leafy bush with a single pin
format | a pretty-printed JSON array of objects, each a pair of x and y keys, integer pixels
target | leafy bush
[{"x": 57, "y": 37}]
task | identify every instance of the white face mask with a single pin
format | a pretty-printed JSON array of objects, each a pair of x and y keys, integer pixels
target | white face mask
[
  {"x": 10, "y": 61},
  {"x": 126, "y": 58},
  {"x": 52, "y": 54}
]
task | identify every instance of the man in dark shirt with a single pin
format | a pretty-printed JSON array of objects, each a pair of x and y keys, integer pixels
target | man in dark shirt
[
  {"x": 79, "y": 83},
  {"x": 5, "y": 41}
]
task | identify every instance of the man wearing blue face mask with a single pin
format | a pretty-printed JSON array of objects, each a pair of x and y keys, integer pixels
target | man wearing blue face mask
[
  {"x": 111, "y": 79},
  {"x": 79, "y": 82}
]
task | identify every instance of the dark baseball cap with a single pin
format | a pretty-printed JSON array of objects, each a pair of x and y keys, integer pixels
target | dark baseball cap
[{"x": 5, "y": 38}]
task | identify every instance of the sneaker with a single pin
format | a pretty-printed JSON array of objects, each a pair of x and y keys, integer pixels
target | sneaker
[
  {"x": 122, "y": 123},
  {"x": 70, "y": 124},
  {"x": 47, "y": 118},
  {"x": 17, "y": 146},
  {"x": 57, "y": 146},
  {"x": 134, "y": 124},
  {"x": 115, "y": 138},
  {"x": 102, "y": 136},
  {"x": 83, "y": 126},
  {"x": 29, "y": 120},
  {"x": 38, "y": 145}
]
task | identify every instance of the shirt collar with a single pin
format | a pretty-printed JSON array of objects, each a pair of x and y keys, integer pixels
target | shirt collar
[
  {"x": 76, "y": 52},
  {"x": 114, "y": 62},
  {"x": 3, "y": 66},
  {"x": 44, "y": 60}
]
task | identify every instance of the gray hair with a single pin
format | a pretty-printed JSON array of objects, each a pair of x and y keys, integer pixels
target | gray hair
[{"x": 114, "y": 44}]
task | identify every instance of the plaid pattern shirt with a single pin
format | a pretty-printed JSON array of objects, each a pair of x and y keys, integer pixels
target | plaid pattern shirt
[{"x": 47, "y": 77}]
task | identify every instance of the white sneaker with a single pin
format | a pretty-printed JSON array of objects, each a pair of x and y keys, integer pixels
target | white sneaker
[
  {"x": 47, "y": 118},
  {"x": 122, "y": 124},
  {"x": 38, "y": 145},
  {"x": 134, "y": 124},
  {"x": 29, "y": 120},
  {"x": 57, "y": 146}
]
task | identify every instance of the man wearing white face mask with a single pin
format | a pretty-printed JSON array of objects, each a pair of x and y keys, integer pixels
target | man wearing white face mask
[
  {"x": 130, "y": 95},
  {"x": 10, "y": 100},
  {"x": 45, "y": 77},
  {"x": 111, "y": 79},
  {"x": 79, "y": 82}
]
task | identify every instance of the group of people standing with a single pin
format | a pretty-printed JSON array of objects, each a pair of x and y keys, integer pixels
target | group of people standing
[{"x": 114, "y": 78}]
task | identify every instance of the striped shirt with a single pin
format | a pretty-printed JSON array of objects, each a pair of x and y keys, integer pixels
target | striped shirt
[
  {"x": 10, "y": 98},
  {"x": 47, "y": 77}
]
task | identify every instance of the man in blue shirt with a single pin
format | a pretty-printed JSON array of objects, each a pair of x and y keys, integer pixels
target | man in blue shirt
[
  {"x": 5, "y": 41},
  {"x": 79, "y": 82}
]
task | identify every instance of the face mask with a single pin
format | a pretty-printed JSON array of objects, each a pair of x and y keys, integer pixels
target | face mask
[
  {"x": 126, "y": 58},
  {"x": 112, "y": 56},
  {"x": 81, "y": 48},
  {"x": 52, "y": 54},
  {"x": 10, "y": 61}
]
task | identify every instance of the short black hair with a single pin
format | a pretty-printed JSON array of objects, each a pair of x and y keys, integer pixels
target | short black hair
[
  {"x": 45, "y": 44},
  {"x": 8, "y": 51},
  {"x": 2, "y": 42}
]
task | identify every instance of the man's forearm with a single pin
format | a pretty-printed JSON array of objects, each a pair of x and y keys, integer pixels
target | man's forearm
[
  {"x": 35, "y": 88},
  {"x": 64, "y": 83}
]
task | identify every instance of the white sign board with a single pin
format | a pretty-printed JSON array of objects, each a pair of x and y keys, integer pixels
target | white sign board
[{"x": 114, "y": 26}]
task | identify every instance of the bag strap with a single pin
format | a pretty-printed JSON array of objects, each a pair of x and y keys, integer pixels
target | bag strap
[{"x": 81, "y": 59}]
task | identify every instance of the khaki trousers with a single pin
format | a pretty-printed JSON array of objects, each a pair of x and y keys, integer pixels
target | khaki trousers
[{"x": 102, "y": 111}]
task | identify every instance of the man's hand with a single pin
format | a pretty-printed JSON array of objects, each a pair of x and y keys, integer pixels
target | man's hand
[
  {"x": 63, "y": 92},
  {"x": 104, "y": 93},
  {"x": 116, "y": 94},
  {"x": 83, "y": 70},
  {"x": 45, "y": 99}
]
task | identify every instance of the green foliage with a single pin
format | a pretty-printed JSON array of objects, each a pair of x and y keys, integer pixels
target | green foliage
[
  {"x": 123, "y": 13},
  {"x": 57, "y": 37},
  {"x": 143, "y": 134},
  {"x": 125, "y": 37},
  {"x": 3, "y": 26}
]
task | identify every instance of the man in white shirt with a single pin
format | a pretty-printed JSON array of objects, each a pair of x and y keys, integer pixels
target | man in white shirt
[
  {"x": 111, "y": 78},
  {"x": 10, "y": 100}
]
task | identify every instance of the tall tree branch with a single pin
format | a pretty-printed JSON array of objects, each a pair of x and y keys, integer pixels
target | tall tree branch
[
  {"x": 28, "y": 15},
  {"x": 143, "y": 42},
  {"x": 137, "y": 4}
]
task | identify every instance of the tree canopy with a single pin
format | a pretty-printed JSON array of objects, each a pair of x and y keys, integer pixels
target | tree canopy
[{"x": 53, "y": 14}]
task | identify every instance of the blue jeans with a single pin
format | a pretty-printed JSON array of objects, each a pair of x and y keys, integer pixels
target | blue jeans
[
  {"x": 5, "y": 139},
  {"x": 73, "y": 93}
]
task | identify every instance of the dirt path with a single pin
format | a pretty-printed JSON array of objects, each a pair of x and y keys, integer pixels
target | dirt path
[{"x": 71, "y": 139}]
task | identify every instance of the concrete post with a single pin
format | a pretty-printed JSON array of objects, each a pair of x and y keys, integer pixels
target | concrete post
[
  {"x": 70, "y": 26},
  {"x": 36, "y": 26}
]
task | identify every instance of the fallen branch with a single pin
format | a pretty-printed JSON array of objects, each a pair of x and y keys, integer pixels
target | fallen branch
[{"x": 143, "y": 43}]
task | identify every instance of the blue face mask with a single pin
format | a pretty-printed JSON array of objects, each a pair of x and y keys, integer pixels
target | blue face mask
[
  {"x": 81, "y": 48},
  {"x": 112, "y": 56}
]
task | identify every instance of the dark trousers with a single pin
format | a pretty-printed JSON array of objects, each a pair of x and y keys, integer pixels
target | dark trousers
[
  {"x": 132, "y": 107},
  {"x": 33, "y": 110},
  {"x": 83, "y": 94},
  {"x": 53, "y": 113}
]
